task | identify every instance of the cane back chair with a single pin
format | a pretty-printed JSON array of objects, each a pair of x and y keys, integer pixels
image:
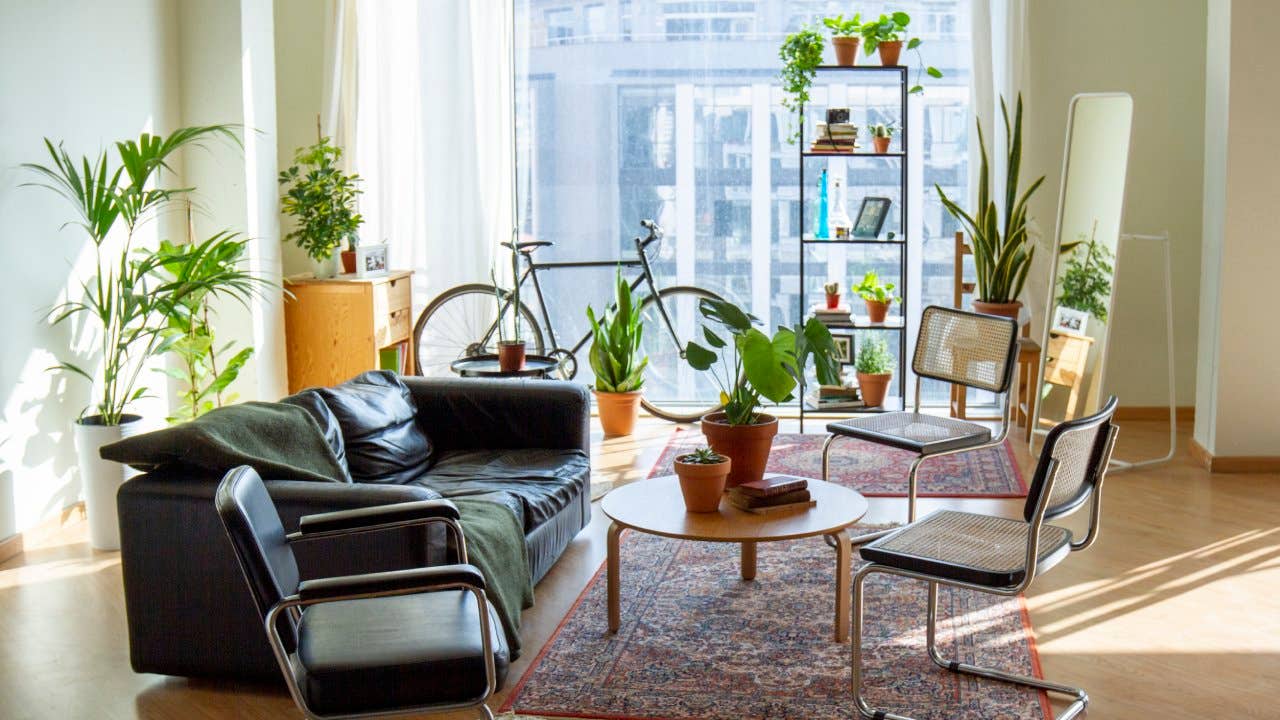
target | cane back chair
[
  {"x": 963, "y": 348},
  {"x": 995, "y": 555}
]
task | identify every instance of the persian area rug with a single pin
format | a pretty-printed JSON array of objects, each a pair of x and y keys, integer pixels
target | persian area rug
[
  {"x": 698, "y": 643},
  {"x": 876, "y": 470}
]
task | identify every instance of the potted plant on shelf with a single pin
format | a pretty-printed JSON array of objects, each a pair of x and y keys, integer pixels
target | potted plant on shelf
[
  {"x": 121, "y": 300},
  {"x": 702, "y": 475},
  {"x": 833, "y": 295},
  {"x": 1086, "y": 282},
  {"x": 801, "y": 54},
  {"x": 884, "y": 35},
  {"x": 617, "y": 361},
  {"x": 1001, "y": 254},
  {"x": 874, "y": 367},
  {"x": 510, "y": 352},
  {"x": 322, "y": 199},
  {"x": 878, "y": 296},
  {"x": 751, "y": 367},
  {"x": 881, "y": 136},
  {"x": 844, "y": 38}
]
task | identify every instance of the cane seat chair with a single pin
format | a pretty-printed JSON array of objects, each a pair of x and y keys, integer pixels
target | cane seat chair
[
  {"x": 963, "y": 348},
  {"x": 994, "y": 555},
  {"x": 380, "y": 644}
]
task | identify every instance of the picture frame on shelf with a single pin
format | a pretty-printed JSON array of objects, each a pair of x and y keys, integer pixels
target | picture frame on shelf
[
  {"x": 844, "y": 347},
  {"x": 871, "y": 217},
  {"x": 372, "y": 260},
  {"x": 1070, "y": 320}
]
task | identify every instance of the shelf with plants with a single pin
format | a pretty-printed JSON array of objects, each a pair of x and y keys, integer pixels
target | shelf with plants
[{"x": 836, "y": 153}]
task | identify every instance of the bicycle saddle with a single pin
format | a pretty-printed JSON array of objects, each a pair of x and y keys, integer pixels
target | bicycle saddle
[{"x": 528, "y": 247}]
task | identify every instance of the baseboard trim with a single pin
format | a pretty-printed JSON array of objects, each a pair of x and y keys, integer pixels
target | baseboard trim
[
  {"x": 10, "y": 547},
  {"x": 1234, "y": 464},
  {"x": 1153, "y": 412}
]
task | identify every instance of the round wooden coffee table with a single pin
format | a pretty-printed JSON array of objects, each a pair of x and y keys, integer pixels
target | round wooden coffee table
[{"x": 656, "y": 507}]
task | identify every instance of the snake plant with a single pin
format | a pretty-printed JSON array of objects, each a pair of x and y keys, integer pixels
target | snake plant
[{"x": 616, "y": 358}]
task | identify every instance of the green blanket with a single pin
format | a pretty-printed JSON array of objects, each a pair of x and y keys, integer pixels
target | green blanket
[{"x": 495, "y": 545}]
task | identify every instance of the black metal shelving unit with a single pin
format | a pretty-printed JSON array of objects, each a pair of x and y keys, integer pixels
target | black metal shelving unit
[{"x": 896, "y": 324}]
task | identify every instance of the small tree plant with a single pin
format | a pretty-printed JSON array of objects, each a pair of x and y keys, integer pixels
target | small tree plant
[{"x": 322, "y": 198}]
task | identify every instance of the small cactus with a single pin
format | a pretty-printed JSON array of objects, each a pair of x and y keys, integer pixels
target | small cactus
[{"x": 832, "y": 288}]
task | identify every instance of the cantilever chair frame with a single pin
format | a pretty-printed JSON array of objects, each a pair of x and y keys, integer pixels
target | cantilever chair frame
[
  {"x": 1007, "y": 408},
  {"x": 1080, "y": 698}
]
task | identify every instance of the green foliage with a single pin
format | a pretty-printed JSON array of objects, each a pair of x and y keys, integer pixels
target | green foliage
[
  {"x": 871, "y": 289},
  {"x": 193, "y": 275},
  {"x": 844, "y": 28},
  {"x": 874, "y": 358},
  {"x": 1086, "y": 283},
  {"x": 751, "y": 367},
  {"x": 1001, "y": 255},
  {"x": 831, "y": 288},
  {"x": 702, "y": 456},
  {"x": 124, "y": 295},
  {"x": 801, "y": 54},
  {"x": 891, "y": 28},
  {"x": 323, "y": 200},
  {"x": 615, "y": 354},
  {"x": 883, "y": 130}
]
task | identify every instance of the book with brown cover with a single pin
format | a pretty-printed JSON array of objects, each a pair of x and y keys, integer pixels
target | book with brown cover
[
  {"x": 772, "y": 484},
  {"x": 744, "y": 501}
]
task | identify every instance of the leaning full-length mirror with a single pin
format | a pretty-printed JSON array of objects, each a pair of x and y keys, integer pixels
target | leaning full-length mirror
[{"x": 1083, "y": 270}]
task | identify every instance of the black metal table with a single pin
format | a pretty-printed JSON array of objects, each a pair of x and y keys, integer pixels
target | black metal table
[{"x": 535, "y": 366}]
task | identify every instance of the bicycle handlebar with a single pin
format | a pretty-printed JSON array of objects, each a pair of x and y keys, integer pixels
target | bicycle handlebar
[{"x": 655, "y": 234}]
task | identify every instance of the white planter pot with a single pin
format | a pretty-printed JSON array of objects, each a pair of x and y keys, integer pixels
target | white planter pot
[
  {"x": 327, "y": 268},
  {"x": 100, "y": 479}
]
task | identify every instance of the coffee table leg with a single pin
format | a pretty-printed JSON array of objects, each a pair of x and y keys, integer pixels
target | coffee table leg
[
  {"x": 748, "y": 561},
  {"x": 844, "y": 572},
  {"x": 614, "y": 612}
]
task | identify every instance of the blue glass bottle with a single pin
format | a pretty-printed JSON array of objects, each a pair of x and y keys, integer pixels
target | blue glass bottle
[{"x": 821, "y": 232}]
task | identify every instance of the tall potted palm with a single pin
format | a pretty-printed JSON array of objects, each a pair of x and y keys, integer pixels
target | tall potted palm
[
  {"x": 121, "y": 299},
  {"x": 1002, "y": 246},
  {"x": 751, "y": 367},
  {"x": 617, "y": 361}
]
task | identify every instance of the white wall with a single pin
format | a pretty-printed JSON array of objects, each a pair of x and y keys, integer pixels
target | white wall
[
  {"x": 1154, "y": 50},
  {"x": 87, "y": 73}
]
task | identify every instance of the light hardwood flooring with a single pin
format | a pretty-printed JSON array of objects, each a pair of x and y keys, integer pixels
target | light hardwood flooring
[{"x": 1175, "y": 613}]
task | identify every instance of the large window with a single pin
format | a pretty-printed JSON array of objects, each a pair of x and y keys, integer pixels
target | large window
[{"x": 671, "y": 110}]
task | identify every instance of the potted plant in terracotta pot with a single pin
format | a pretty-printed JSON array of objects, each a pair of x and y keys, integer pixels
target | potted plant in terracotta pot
[
  {"x": 801, "y": 54},
  {"x": 844, "y": 38},
  {"x": 832, "y": 291},
  {"x": 751, "y": 367},
  {"x": 322, "y": 200},
  {"x": 702, "y": 475},
  {"x": 881, "y": 136},
  {"x": 510, "y": 349},
  {"x": 884, "y": 35},
  {"x": 617, "y": 361},
  {"x": 874, "y": 366},
  {"x": 1002, "y": 246},
  {"x": 878, "y": 296}
]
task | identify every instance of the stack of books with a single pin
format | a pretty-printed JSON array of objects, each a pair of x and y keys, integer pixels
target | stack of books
[
  {"x": 773, "y": 493},
  {"x": 839, "y": 315},
  {"x": 835, "y": 137},
  {"x": 829, "y": 398}
]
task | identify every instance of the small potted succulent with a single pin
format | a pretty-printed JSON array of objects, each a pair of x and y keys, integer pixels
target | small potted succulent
[
  {"x": 874, "y": 367},
  {"x": 833, "y": 295},
  {"x": 801, "y": 54},
  {"x": 878, "y": 296},
  {"x": 702, "y": 476},
  {"x": 885, "y": 34},
  {"x": 844, "y": 38},
  {"x": 617, "y": 361},
  {"x": 881, "y": 136}
]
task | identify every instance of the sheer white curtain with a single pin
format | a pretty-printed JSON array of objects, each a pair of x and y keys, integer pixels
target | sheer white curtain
[{"x": 434, "y": 136}]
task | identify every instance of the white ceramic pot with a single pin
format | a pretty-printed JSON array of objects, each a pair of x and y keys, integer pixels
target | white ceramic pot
[
  {"x": 327, "y": 268},
  {"x": 100, "y": 479}
]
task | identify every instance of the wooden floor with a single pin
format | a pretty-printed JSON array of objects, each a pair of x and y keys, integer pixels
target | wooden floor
[{"x": 1175, "y": 613}]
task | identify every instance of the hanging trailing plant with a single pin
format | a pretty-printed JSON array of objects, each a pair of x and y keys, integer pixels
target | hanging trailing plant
[{"x": 801, "y": 54}]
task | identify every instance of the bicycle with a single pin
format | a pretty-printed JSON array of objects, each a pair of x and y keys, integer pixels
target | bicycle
[{"x": 464, "y": 322}]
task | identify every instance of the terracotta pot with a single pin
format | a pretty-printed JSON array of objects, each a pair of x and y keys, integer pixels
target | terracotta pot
[
  {"x": 889, "y": 52},
  {"x": 702, "y": 485},
  {"x": 881, "y": 144},
  {"x": 348, "y": 261},
  {"x": 618, "y": 411},
  {"x": 833, "y": 301},
  {"x": 747, "y": 446},
  {"x": 874, "y": 387},
  {"x": 511, "y": 355},
  {"x": 877, "y": 311},
  {"x": 1009, "y": 310},
  {"x": 846, "y": 50}
]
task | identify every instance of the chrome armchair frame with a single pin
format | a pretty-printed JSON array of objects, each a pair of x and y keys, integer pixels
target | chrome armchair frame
[{"x": 1079, "y": 698}]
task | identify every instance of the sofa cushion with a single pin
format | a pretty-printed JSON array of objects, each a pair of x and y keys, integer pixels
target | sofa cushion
[
  {"x": 544, "y": 481},
  {"x": 311, "y": 401},
  {"x": 379, "y": 429}
]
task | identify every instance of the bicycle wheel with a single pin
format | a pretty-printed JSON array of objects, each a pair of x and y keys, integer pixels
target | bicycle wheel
[
  {"x": 455, "y": 325},
  {"x": 672, "y": 389}
]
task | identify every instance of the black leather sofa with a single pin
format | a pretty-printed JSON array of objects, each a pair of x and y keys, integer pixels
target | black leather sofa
[{"x": 525, "y": 444}]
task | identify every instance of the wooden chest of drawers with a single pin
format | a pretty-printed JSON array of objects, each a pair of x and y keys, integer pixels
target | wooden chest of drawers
[{"x": 336, "y": 329}]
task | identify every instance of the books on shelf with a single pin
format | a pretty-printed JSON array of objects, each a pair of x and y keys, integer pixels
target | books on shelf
[
  {"x": 394, "y": 358},
  {"x": 828, "y": 316},
  {"x": 836, "y": 392},
  {"x": 835, "y": 137},
  {"x": 834, "y": 404}
]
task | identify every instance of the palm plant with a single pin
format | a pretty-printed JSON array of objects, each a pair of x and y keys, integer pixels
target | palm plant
[
  {"x": 1001, "y": 254},
  {"x": 122, "y": 297},
  {"x": 616, "y": 358}
]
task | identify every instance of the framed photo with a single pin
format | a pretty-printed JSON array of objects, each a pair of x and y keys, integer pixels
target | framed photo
[
  {"x": 1070, "y": 320},
  {"x": 371, "y": 260},
  {"x": 871, "y": 217},
  {"x": 844, "y": 347}
]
